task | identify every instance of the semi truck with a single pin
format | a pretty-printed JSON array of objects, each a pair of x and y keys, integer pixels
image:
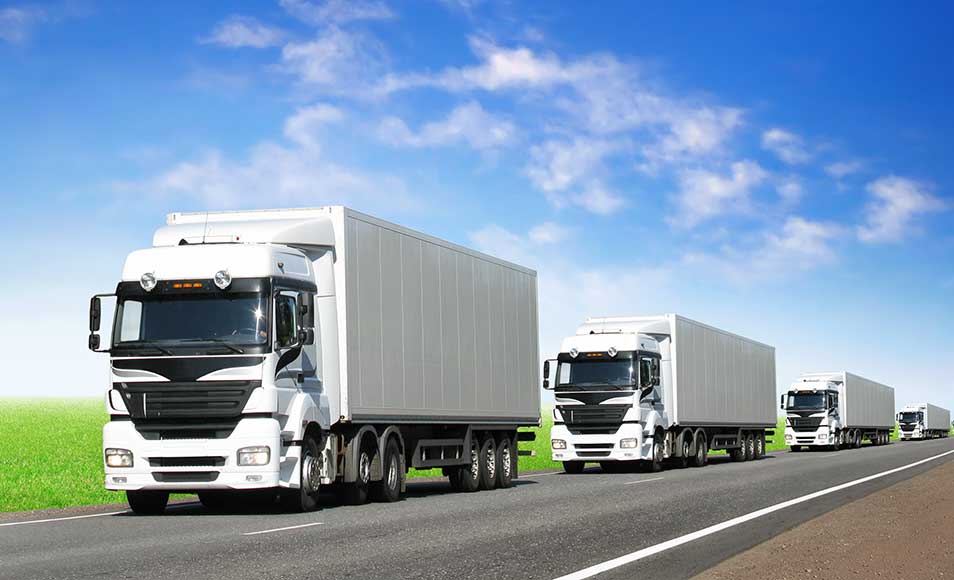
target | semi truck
[
  {"x": 923, "y": 421},
  {"x": 286, "y": 351},
  {"x": 836, "y": 410},
  {"x": 658, "y": 390}
]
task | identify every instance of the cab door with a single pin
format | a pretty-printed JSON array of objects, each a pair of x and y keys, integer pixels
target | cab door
[{"x": 288, "y": 347}]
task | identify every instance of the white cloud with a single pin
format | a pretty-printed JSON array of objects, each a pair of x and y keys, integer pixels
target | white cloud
[
  {"x": 842, "y": 169},
  {"x": 244, "y": 31},
  {"x": 694, "y": 132},
  {"x": 336, "y": 11},
  {"x": 786, "y": 146},
  {"x": 705, "y": 194},
  {"x": 548, "y": 233},
  {"x": 896, "y": 202},
  {"x": 305, "y": 126},
  {"x": 790, "y": 190},
  {"x": 276, "y": 174},
  {"x": 468, "y": 123},
  {"x": 17, "y": 22},
  {"x": 336, "y": 61},
  {"x": 596, "y": 198},
  {"x": 559, "y": 165},
  {"x": 801, "y": 245}
]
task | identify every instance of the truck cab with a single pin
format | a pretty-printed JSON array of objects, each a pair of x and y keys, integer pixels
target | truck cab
[
  {"x": 911, "y": 423},
  {"x": 812, "y": 414},
  {"x": 607, "y": 398}
]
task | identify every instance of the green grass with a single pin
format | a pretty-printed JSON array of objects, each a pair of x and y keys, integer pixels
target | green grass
[{"x": 50, "y": 453}]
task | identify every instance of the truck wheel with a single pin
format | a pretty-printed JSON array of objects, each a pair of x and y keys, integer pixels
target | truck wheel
[
  {"x": 701, "y": 456},
  {"x": 214, "y": 500},
  {"x": 759, "y": 445},
  {"x": 467, "y": 477},
  {"x": 738, "y": 454},
  {"x": 683, "y": 462},
  {"x": 857, "y": 442},
  {"x": 506, "y": 462},
  {"x": 749, "y": 447},
  {"x": 488, "y": 463},
  {"x": 573, "y": 467},
  {"x": 305, "y": 498},
  {"x": 147, "y": 503},
  {"x": 356, "y": 493},
  {"x": 389, "y": 488},
  {"x": 656, "y": 463}
]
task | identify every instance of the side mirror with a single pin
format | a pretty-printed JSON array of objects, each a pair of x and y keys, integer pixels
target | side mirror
[
  {"x": 546, "y": 375},
  {"x": 306, "y": 308},
  {"x": 94, "y": 342},
  {"x": 306, "y": 336},
  {"x": 781, "y": 402},
  {"x": 95, "y": 313}
]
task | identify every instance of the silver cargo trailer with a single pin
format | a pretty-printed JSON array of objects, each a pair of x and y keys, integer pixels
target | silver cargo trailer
[
  {"x": 651, "y": 388},
  {"x": 307, "y": 347}
]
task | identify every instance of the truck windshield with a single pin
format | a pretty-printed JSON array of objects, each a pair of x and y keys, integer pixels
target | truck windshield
[
  {"x": 806, "y": 401},
  {"x": 909, "y": 417},
  {"x": 618, "y": 374},
  {"x": 226, "y": 319}
]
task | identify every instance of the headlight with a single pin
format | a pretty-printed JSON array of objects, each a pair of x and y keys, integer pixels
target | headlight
[
  {"x": 628, "y": 443},
  {"x": 258, "y": 455},
  {"x": 148, "y": 281},
  {"x": 558, "y": 443},
  {"x": 119, "y": 457},
  {"x": 222, "y": 279}
]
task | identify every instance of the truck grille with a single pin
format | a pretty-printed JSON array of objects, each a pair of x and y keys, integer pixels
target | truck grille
[
  {"x": 805, "y": 423},
  {"x": 186, "y": 461},
  {"x": 186, "y": 409},
  {"x": 185, "y": 476},
  {"x": 593, "y": 419}
]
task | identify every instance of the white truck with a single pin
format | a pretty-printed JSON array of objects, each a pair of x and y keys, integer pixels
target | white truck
[
  {"x": 286, "y": 350},
  {"x": 654, "y": 388},
  {"x": 923, "y": 421},
  {"x": 837, "y": 409}
]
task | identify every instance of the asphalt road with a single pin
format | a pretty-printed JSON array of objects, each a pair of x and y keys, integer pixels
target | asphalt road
[{"x": 545, "y": 527}]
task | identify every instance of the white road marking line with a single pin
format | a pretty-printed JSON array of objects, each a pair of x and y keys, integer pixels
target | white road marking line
[
  {"x": 643, "y": 480},
  {"x": 675, "y": 542},
  {"x": 283, "y": 529},
  {"x": 61, "y": 519}
]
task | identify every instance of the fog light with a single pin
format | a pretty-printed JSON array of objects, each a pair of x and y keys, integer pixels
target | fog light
[
  {"x": 148, "y": 281},
  {"x": 119, "y": 480},
  {"x": 258, "y": 455},
  {"x": 628, "y": 443},
  {"x": 253, "y": 478},
  {"x": 222, "y": 279},
  {"x": 558, "y": 443},
  {"x": 119, "y": 457}
]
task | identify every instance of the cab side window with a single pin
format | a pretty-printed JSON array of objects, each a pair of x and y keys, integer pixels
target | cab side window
[{"x": 286, "y": 321}]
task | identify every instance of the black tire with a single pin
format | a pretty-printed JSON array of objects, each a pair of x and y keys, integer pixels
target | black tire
[
  {"x": 147, "y": 503},
  {"x": 750, "y": 447},
  {"x": 701, "y": 456},
  {"x": 468, "y": 476},
  {"x": 738, "y": 454},
  {"x": 488, "y": 463},
  {"x": 389, "y": 488},
  {"x": 304, "y": 498},
  {"x": 356, "y": 492},
  {"x": 837, "y": 444},
  {"x": 506, "y": 463},
  {"x": 759, "y": 445},
  {"x": 574, "y": 467},
  {"x": 656, "y": 462},
  {"x": 857, "y": 441},
  {"x": 214, "y": 500},
  {"x": 683, "y": 462}
]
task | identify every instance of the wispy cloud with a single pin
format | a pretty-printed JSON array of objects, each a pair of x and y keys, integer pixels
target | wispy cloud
[
  {"x": 704, "y": 194},
  {"x": 335, "y": 61},
  {"x": 573, "y": 173},
  {"x": 468, "y": 123},
  {"x": 244, "y": 31},
  {"x": 896, "y": 202},
  {"x": 337, "y": 11},
  {"x": 842, "y": 169},
  {"x": 18, "y": 22},
  {"x": 787, "y": 146}
]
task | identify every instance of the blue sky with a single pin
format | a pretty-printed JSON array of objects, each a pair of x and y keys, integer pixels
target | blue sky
[{"x": 782, "y": 171}]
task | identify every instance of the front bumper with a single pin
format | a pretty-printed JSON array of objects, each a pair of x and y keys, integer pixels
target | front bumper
[
  {"x": 146, "y": 474},
  {"x": 809, "y": 438},
  {"x": 601, "y": 447}
]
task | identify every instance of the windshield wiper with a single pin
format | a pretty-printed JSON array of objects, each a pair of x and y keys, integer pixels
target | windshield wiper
[
  {"x": 221, "y": 341},
  {"x": 140, "y": 345}
]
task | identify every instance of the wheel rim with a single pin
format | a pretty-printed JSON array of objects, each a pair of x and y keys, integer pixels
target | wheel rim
[
  {"x": 686, "y": 447},
  {"x": 392, "y": 473},
  {"x": 657, "y": 452},
  {"x": 491, "y": 464},
  {"x": 311, "y": 473},
  {"x": 364, "y": 467},
  {"x": 505, "y": 457},
  {"x": 474, "y": 461}
]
